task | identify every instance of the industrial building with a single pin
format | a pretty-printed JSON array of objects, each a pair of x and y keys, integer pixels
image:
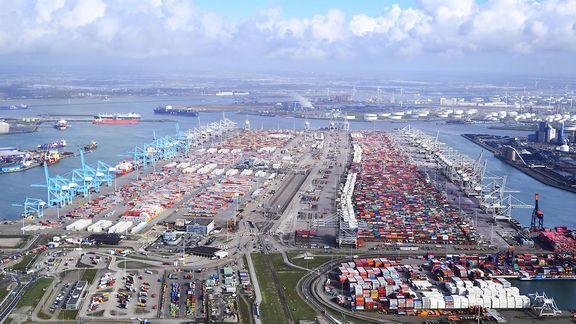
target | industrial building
[
  {"x": 202, "y": 226},
  {"x": 171, "y": 238},
  {"x": 108, "y": 239},
  {"x": 209, "y": 252}
]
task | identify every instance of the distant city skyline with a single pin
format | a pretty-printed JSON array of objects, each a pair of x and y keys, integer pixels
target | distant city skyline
[{"x": 426, "y": 36}]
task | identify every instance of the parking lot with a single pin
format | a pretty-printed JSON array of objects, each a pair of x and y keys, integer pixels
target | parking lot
[{"x": 133, "y": 292}]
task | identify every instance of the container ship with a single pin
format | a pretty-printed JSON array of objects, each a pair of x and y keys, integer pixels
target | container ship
[
  {"x": 129, "y": 118},
  {"x": 171, "y": 110}
]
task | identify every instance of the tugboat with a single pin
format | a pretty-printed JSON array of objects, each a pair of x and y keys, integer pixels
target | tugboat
[
  {"x": 91, "y": 147},
  {"x": 61, "y": 125},
  {"x": 51, "y": 157}
]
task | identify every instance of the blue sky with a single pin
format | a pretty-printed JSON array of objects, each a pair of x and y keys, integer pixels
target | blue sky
[{"x": 237, "y": 10}]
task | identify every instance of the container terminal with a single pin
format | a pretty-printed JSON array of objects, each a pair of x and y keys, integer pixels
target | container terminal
[{"x": 199, "y": 224}]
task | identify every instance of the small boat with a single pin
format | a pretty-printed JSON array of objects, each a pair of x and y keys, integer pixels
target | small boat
[
  {"x": 91, "y": 147},
  {"x": 55, "y": 145},
  {"x": 61, "y": 124}
]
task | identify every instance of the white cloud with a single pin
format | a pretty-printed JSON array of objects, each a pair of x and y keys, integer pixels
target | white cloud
[
  {"x": 81, "y": 13},
  {"x": 149, "y": 28},
  {"x": 45, "y": 8}
]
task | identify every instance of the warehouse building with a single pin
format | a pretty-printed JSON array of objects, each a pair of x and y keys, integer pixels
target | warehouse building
[
  {"x": 208, "y": 252},
  {"x": 108, "y": 239},
  {"x": 201, "y": 226}
]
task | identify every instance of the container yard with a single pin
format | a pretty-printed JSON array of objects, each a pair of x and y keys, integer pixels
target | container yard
[
  {"x": 392, "y": 201},
  {"x": 393, "y": 287}
]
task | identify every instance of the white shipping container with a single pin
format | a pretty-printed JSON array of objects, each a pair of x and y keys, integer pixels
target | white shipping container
[
  {"x": 495, "y": 302},
  {"x": 138, "y": 228},
  {"x": 457, "y": 301},
  {"x": 441, "y": 303},
  {"x": 511, "y": 302},
  {"x": 79, "y": 225},
  {"x": 525, "y": 301},
  {"x": 464, "y": 303}
]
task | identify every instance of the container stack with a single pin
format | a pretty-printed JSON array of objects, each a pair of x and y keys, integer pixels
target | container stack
[
  {"x": 120, "y": 227},
  {"x": 79, "y": 225},
  {"x": 393, "y": 201},
  {"x": 99, "y": 226},
  {"x": 382, "y": 284}
]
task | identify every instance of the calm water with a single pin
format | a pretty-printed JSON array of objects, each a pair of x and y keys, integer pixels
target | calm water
[{"x": 117, "y": 141}]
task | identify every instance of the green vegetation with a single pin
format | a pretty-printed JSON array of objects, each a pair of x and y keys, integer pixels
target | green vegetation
[
  {"x": 34, "y": 293},
  {"x": 289, "y": 278},
  {"x": 43, "y": 315},
  {"x": 26, "y": 261},
  {"x": 3, "y": 288},
  {"x": 271, "y": 307},
  {"x": 89, "y": 275},
  {"x": 310, "y": 264},
  {"x": 245, "y": 311},
  {"x": 66, "y": 314}
]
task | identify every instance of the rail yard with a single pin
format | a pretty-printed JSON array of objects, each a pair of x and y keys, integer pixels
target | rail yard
[{"x": 233, "y": 224}]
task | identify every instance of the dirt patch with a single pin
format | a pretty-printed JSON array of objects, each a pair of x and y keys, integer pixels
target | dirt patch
[{"x": 10, "y": 242}]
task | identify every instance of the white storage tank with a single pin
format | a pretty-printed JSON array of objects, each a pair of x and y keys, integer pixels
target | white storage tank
[
  {"x": 370, "y": 117},
  {"x": 4, "y": 127}
]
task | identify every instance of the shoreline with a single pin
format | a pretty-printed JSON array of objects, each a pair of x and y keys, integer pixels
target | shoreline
[{"x": 533, "y": 173}]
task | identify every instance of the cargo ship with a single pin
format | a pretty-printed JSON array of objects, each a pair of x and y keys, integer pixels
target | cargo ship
[
  {"x": 171, "y": 110},
  {"x": 525, "y": 276},
  {"x": 14, "y": 107},
  {"x": 55, "y": 145},
  {"x": 124, "y": 167},
  {"x": 129, "y": 118},
  {"x": 61, "y": 124}
]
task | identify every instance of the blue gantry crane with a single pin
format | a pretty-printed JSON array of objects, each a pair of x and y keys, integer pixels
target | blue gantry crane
[
  {"x": 32, "y": 207},
  {"x": 60, "y": 190}
]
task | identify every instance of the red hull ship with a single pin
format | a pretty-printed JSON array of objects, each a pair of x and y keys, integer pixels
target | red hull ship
[{"x": 116, "y": 119}]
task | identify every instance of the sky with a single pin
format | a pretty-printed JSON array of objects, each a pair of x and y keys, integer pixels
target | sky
[{"x": 522, "y": 37}]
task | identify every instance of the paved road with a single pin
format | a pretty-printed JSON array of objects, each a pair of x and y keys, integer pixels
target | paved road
[
  {"x": 12, "y": 304},
  {"x": 255, "y": 285}
]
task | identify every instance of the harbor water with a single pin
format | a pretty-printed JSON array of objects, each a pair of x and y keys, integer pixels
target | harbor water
[{"x": 116, "y": 143}]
